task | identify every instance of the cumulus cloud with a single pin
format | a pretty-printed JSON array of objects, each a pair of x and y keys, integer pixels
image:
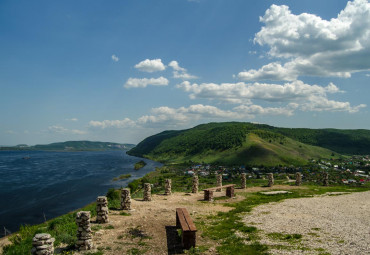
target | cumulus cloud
[
  {"x": 239, "y": 92},
  {"x": 62, "y": 130},
  {"x": 144, "y": 82},
  {"x": 180, "y": 72},
  {"x": 151, "y": 65},
  {"x": 112, "y": 123},
  {"x": 115, "y": 58},
  {"x": 298, "y": 94},
  {"x": 178, "y": 117},
  {"x": 314, "y": 46}
]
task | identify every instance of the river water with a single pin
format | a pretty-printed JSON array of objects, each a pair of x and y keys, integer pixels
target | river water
[{"x": 39, "y": 185}]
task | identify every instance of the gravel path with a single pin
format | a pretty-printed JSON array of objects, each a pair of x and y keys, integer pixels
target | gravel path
[{"x": 332, "y": 224}]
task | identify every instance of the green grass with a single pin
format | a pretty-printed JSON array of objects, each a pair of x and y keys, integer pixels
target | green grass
[
  {"x": 62, "y": 228},
  {"x": 223, "y": 226},
  {"x": 139, "y": 165},
  {"x": 122, "y": 177}
]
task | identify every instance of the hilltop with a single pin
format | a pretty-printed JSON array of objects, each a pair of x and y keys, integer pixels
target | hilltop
[
  {"x": 73, "y": 146},
  {"x": 253, "y": 144}
]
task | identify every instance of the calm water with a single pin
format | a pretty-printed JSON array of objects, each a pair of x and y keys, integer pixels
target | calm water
[{"x": 38, "y": 184}]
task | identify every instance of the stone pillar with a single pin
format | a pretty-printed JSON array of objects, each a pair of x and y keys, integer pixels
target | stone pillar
[
  {"x": 219, "y": 182},
  {"x": 102, "y": 209},
  {"x": 298, "y": 179},
  {"x": 125, "y": 199},
  {"x": 208, "y": 195},
  {"x": 195, "y": 184},
  {"x": 230, "y": 191},
  {"x": 168, "y": 187},
  {"x": 147, "y": 192},
  {"x": 326, "y": 179},
  {"x": 84, "y": 235},
  {"x": 271, "y": 179},
  {"x": 244, "y": 180},
  {"x": 42, "y": 244}
]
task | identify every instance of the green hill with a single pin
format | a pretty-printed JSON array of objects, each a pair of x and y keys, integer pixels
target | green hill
[
  {"x": 73, "y": 146},
  {"x": 247, "y": 143}
]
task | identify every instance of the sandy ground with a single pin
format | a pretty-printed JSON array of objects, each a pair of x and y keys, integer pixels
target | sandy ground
[{"x": 334, "y": 224}]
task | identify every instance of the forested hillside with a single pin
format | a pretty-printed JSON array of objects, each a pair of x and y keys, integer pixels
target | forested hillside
[{"x": 235, "y": 142}]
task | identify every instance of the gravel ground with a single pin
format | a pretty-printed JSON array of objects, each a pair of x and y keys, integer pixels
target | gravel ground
[{"x": 337, "y": 224}]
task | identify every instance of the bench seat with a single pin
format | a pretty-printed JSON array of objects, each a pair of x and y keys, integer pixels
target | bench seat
[{"x": 187, "y": 226}]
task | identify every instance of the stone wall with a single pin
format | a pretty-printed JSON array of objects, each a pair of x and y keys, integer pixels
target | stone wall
[
  {"x": 43, "y": 244},
  {"x": 84, "y": 234}
]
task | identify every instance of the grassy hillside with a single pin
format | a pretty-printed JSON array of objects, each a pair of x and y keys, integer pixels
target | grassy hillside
[{"x": 230, "y": 143}]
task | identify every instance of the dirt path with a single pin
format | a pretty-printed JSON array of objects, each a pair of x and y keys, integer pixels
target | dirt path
[
  {"x": 157, "y": 220},
  {"x": 333, "y": 224}
]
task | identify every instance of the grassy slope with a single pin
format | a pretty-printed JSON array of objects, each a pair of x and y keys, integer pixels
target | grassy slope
[{"x": 254, "y": 151}]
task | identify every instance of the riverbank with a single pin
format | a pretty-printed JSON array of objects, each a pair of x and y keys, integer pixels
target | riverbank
[
  {"x": 220, "y": 224},
  {"x": 38, "y": 185}
]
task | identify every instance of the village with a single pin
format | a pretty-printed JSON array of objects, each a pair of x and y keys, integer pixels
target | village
[{"x": 352, "y": 170}]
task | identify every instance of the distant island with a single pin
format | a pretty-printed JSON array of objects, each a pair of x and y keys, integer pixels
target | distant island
[
  {"x": 70, "y": 146},
  {"x": 139, "y": 165}
]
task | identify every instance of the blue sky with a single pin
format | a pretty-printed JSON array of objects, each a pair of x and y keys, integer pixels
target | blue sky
[{"x": 123, "y": 70}]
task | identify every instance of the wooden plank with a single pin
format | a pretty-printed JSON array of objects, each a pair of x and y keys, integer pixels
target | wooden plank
[
  {"x": 182, "y": 220},
  {"x": 189, "y": 221}
]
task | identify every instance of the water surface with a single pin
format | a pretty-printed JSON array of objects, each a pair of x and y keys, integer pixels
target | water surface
[{"x": 39, "y": 185}]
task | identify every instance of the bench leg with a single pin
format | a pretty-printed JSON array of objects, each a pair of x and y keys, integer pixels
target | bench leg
[
  {"x": 208, "y": 195},
  {"x": 188, "y": 239},
  {"x": 230, "y": 191}
]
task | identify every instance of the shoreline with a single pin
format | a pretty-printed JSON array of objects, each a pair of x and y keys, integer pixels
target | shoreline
[{"x": 35, "y": 217}]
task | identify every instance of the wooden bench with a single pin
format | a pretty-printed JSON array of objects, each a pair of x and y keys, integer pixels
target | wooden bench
[
  {"x": 208, "y": 193},
  {"x": 187, "y": 226}
]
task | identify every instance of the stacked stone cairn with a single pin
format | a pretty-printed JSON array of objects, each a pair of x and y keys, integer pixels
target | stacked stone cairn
[
  {"x": 125, "y": 199},
  {"x": 168, "y": 187},
  {"x": 102, "y": 209},
  {"x": 270, "y": 177},
  {"x": 298, "y": 179},
  {"x": 195, "y": 184},
  {"x": 326, "y": 179},
  {"x": 43, "y": 244},
  {"x": 84, "y": 234},
  {"x": 243, "y": 180},
  {"x": 219, "y": 182},
  {"x": 147, "y": 192}
]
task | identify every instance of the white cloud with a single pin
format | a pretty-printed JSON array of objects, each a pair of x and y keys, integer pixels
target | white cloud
[
  {"x": 313, "y": 46},
  {"x": 11, "y": 132},
  {"x": 144, "y": 82},
  {"x": 295, "y": 95},
  {"x": 62, "y": 130},
  {"x": 240, "y": 92},
  {"x": 164, "y": 116},
  {"x": 180, "y": 72},
  {"x": 72, "y": 119},
  {"x": 175, "y": 66},
  {"x": 115, "y": 58},
  {"x": 112, "y": 123},
  {"x": 151, "y": 65}
]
